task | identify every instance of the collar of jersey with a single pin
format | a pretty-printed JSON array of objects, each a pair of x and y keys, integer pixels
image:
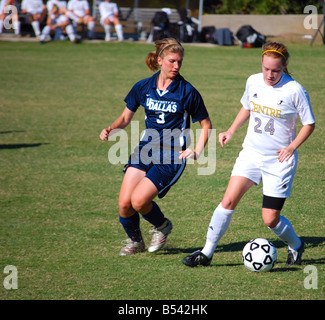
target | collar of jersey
[{"x": 172, "y": 87}]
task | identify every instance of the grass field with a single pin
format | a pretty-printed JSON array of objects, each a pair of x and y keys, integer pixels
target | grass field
[{"x": 59, "y": 210}]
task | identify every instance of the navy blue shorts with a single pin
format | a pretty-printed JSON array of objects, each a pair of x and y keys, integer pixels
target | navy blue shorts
[{"x": 163, "y": 176}]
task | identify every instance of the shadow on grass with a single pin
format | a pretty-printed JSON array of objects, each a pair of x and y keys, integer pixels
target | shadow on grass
[
  {"x": 20, "y": 145},
  {"x": 311, "y": 242},
  {"x": 11, "y": 131}
]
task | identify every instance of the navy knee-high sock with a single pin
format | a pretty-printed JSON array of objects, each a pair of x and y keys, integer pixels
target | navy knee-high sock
[
  {"x": 131, "y": 226},
  {"x": 155, "y": 216}
]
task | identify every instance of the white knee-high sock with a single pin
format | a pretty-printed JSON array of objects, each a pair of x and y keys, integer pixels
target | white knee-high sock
[
  {"x": 91, "y": 28},
  {"x": 219, "y": 224},
  {"x": 119, "y": 31},
  {"x": 286, "y": 233},
  {"x": 16, "y": 25},
  {"x": 46, "y": 32},
  {"x": 36, "y": 28},
  {"x": 70, "y": 32},
  {"x": 70, "y": 15},
  {"x": 107, "y": 29}
]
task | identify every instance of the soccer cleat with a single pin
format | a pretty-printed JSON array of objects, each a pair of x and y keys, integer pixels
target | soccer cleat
[
  {"x": 131, "y": 247},
  {"x": 197, "y": 258},
  {"x": 159, "y": 236},
  {"x": 294, "y": 257}
]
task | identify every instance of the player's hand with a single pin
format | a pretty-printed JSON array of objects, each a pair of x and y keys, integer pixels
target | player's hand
[
  {"x": 224, "y": 137},
  {"x": 285, "y": 154},
  {"x": 104, "y": 134},
  {"x": 188, "y": 154}
]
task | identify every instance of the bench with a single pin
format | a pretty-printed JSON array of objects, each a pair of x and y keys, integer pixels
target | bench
[{"x": 136, "y": 21}]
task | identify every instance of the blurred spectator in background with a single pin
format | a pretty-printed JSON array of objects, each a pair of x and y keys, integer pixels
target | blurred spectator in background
[
  {"x": 108, "y": 17},
  {"x": 57, "y": 23},
  {"x": 80, "y": 9},
  {"x": 62, "y": 5},
  {"x": 6, "y": 9},
  {"x": 36, "y": 11}
]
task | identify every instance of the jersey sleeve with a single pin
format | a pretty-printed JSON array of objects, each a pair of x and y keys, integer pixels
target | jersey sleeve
[
  {"x": 303, "y": 105},
  {"x": 197, "y": 108},
  {"x": 23, "y": 5},
  {"x": 115, "y": 8},
  {"x": 245, "y": 98},
  {"x": 132, "y": 99}
]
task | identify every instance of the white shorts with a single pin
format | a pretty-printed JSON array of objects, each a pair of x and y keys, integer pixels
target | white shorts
[
  {"x": 277, "y": 177},
  {"x": 35, "y": 11},
  {"x": 109, "y": 16},
  {"x": 60, "y": 19}
]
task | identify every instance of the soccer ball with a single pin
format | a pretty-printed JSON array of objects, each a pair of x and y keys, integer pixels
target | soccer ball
[{"x": 259, "y": 255}]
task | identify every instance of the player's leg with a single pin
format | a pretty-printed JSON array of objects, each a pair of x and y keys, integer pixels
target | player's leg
[
  {"x": 90, "y": 22},
  {"x": 129, "y": 218},
  {"x": 220, "y": 220},
  {"x": 281, "y": 226},
  {"x": 277, "y": 183},
  {"x": 142, "y": 201},
  {"x": 45, "y": 33},
  {"x": 106, "y": 23},
  {"x": 118, "y": 28},
  {"x": 35, "y": 22},
  {"x": 16, "y": 23}
]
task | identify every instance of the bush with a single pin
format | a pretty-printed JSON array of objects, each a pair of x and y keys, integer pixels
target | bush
[{"x": 258, "y": 6}]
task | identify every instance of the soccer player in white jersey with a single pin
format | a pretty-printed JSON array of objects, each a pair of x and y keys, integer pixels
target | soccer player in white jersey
[
  {"x": 7, "y": 7},
  {"x": 62, "y": 5},
  {"x": 80, "y": 9},
  {"x": 108, "y": 17},
  {"x": 56, "y": 22},
  {"x": 36, "y": 11},
  {"x": 170, "y": 103},
  {"x": 272, "y": 102}
]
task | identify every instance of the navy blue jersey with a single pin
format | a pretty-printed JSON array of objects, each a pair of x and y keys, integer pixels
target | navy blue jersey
[{"x": 167, "y": 113}]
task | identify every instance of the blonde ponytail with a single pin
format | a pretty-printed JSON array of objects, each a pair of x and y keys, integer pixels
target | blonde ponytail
[{"x": 162, "y": 46}]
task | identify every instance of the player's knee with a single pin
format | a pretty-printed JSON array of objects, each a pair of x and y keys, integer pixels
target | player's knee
[
  {"x": 124, "y": 206},
  {"x": 271, "y": 220},
  {"x": 138, "y": 203},
  {"x": 227, "y": 202}
]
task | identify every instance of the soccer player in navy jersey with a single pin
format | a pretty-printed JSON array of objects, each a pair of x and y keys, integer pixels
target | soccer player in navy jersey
[{"x": 170, "y": 102}]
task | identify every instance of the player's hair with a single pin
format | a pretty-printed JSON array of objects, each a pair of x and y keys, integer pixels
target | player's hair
[
  {"x": 162, "y": 46},
  {"x": 277, "y": 50}
]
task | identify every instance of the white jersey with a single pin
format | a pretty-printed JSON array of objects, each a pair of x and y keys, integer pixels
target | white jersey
[
  {"x": 32, "y": 6},
  {"x": 107, "y": 9},
  {"x": 2, "y": 5},
  {"x": 78, "y": 7},
  {"x": 274, "y": 112},
  {"x": 59, "y": 4}
]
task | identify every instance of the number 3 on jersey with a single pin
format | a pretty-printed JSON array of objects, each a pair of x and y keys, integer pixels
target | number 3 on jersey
[
  {"x": 269, "y": 127},
  {"x": 161, "y": 119}
]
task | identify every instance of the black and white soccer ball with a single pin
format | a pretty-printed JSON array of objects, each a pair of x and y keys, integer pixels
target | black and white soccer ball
[{"x": 259, "y": 255}]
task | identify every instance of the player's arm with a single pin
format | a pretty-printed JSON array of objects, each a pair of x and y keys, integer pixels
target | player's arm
[
  {"x": 241, "y": 118},
  {"x": 23, "y": 7},
  {"x": 203, "y": 139},
  {"x": 286, "y": 153},
  {"x": 120, "y": 123},
  {"x": 60, "y": 25}
]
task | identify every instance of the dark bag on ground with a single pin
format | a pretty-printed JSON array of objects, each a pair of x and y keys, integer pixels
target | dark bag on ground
[
  {"x": 207, "y": 34},
  {"x": 160, "y": 26},
  {"x": 185, "y": 30},
  {"x": 223, "y": 37},
  {"x": 249, "y": 37}
]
